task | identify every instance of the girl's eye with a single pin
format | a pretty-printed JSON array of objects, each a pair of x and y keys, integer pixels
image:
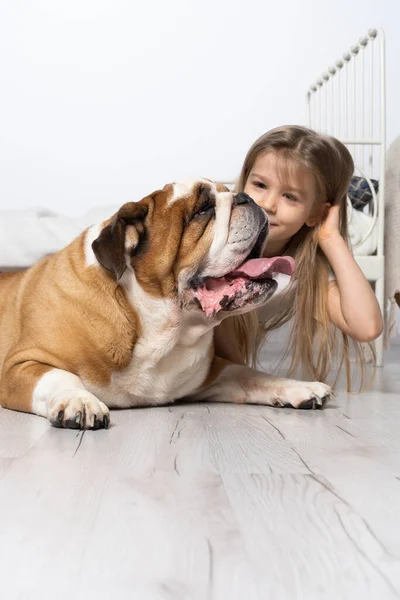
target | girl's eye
[
  {"x": 260, "y": 185},
  {"x": 290, "y": 197}
]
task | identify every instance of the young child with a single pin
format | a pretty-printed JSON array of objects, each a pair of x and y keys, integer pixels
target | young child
[{"x": 300, "y": 178}]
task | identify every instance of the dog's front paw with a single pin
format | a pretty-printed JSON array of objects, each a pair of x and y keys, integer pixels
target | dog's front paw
[
  {"x": 78, "y": 409},
  {"x": 305, "y": 395}
]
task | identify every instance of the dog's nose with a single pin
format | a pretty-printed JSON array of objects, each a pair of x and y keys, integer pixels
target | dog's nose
[{"x": 242, "y": 198}]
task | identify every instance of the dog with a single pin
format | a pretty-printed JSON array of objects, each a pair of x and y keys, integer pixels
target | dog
[{"x": 124, "y": 315}]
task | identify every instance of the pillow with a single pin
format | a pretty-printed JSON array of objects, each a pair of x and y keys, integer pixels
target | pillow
[{"x": 360, "y": 193}]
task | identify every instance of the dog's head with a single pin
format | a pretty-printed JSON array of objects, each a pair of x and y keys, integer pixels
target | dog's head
[{"x": 195, "y": 242}]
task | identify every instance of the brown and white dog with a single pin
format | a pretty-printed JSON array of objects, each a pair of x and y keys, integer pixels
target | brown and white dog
[{"x": 124, "y": 315}]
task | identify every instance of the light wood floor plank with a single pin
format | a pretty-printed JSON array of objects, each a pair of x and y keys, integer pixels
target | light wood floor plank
[
  {"x": 19, "y": 432},
  {"x": 304, "y": 542},
  {"x": 207, "y": 502}
]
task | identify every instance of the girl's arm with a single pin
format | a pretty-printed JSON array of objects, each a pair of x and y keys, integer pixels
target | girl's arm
[
  {"x": 225, "y": 344},
  {"x": 352, "y": 304}
]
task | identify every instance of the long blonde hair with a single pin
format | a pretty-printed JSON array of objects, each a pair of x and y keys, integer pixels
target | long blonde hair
[{"x": 313, "y": 343}]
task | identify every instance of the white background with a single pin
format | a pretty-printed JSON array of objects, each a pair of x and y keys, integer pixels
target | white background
[{"x": 104, "y": 101}]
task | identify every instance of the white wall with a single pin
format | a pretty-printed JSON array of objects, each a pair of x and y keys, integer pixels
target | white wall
[{"x": 103, "y": 101}]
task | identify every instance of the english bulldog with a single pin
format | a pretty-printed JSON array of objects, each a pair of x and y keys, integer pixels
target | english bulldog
[{"x": 124, "y": 315}]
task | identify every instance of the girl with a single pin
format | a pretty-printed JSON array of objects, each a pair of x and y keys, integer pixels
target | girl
[{"x": 300, "y": 178}]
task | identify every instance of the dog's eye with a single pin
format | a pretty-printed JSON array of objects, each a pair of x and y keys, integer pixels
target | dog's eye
[{"x": 205, "y": 209}]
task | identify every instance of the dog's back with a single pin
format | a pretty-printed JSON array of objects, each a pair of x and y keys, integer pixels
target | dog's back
[{"x": 10, "y": 284}]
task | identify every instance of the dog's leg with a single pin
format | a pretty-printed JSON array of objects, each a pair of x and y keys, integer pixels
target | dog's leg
[
  {"x": 55, "y": 394},
  {"x": 228, "y": 382}
]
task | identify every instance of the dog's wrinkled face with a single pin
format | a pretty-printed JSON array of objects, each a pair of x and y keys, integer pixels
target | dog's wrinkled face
[{"x": 196, "y": 242}]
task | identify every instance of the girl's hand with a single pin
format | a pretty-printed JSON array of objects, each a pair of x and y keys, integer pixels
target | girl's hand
[{"x": 330, "y": 224}]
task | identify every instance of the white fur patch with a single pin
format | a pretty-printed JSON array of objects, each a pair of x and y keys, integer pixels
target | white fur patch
[
  {"x": 62, "y": 398},
  {"x": 50, "y": 384},
  {"x": 237, "y": 383},
  {"x": 223, "y": 210},
  {"x": 182, "y": 189},
  {"x": 91, "y": 234},
  {"x": 170, "y": 359}
]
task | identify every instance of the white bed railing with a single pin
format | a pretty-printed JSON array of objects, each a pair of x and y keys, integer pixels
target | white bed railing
[{"x": 348, "y": 101}]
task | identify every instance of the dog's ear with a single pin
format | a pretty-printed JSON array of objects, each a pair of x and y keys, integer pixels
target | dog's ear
[{"x": 121, "y": 237}]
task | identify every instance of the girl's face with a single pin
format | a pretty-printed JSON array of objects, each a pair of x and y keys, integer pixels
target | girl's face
[{"x": 289, "y": 201}]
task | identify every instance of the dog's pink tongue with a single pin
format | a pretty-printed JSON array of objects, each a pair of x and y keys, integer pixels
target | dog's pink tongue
[{"x": 263, "y": 268}]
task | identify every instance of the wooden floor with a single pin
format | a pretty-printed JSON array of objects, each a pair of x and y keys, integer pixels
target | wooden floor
[{"x": 213, "y": 502}]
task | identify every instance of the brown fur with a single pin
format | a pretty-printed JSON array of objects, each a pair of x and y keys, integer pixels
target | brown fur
[
  {"x": 62, "y": 314},
  {"x": 59, "y": 313}
]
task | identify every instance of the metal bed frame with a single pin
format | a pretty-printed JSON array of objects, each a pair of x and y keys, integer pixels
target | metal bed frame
[{"x": 348, "y": 101}]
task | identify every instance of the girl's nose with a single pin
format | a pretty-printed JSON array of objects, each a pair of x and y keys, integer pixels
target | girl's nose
[{"x": 269, "y": 202}]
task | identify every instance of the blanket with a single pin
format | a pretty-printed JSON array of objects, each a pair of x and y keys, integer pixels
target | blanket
[{"x": 26, "y": 236}]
